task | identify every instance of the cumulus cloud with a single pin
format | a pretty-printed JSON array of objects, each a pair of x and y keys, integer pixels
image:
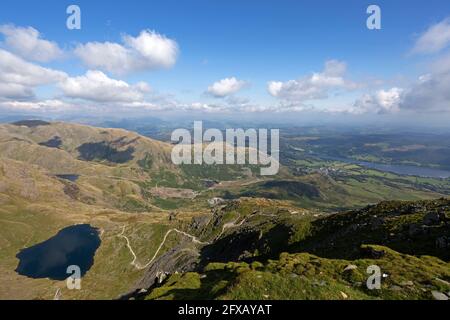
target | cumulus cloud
[
  {"x": 16, "y": 70},
  {"x": 27, "y": 43},
  {"x": 15, "y": 91},
  {"x": 147, "y": 51},
  {"x": 18, "y": 77},
  {"x": 315, "y": 86},
  {"x": 436, "y": 38},
  {"x": 96, "y": 86},
  {"x": 430, "y": 93},
  {"x": 382, "y": 101},
  {"x": 156, "y": 49},
  {"x": 226, "y": 87}
]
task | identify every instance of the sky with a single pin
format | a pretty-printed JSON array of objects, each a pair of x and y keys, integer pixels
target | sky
[{"x": 269, "y": 59}]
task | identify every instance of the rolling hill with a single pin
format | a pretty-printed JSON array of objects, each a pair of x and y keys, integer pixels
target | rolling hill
[{"x": 206, "y": 232}]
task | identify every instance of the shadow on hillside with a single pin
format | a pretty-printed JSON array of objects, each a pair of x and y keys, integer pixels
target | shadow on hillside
[{"x": 242, "y": 244}]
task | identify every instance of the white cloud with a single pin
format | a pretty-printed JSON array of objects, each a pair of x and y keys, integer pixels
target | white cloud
[
  {"x": 440, "y": 65},
  {"x": 16, "y": 70},
  {"x": 315, "y": 86},
  {"x": 275, "y": 87},
  {"x": 157, "y": 50},
  {"x": 204, "y": 107},
  {"x": 45, "y": 105},
  {"x": 281, "y": 107},
  {"x": 148, "y": 51},
  {"x": 430, "y": 93},
  {"x": 27, "y": 43},
  {"x": 18, "y": 77},
  {"x": 96, "y": 86},
  {"x": 15, "y": 91},
  {"x": 143, "y": 105},
  {"x": 382, "y": 101},
  {"x": 436, "y": 38},
  {"x": 226, "y": 87},
  {"x": 107, "y": 56}
]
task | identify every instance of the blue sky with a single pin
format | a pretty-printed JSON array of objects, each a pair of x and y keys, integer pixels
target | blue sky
[{"x": 250, "y": 42}]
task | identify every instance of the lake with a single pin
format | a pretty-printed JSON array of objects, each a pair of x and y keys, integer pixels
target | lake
[
  {"x": 74, "y": 245},
  {"x": 396, "y": 168}
]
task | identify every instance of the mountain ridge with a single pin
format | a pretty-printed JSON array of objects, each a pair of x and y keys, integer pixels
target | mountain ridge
[{"x": 54, "y": 175}]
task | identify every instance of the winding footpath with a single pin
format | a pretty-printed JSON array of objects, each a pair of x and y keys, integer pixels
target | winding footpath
[
  {"x": 194, "y": 239},
  {"x": 141, "y": 267}
]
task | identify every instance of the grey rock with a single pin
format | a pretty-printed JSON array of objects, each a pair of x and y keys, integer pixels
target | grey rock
[
  {"x": 407, "y": 283},
  {"x": 161, "y": 276},
  {"x": 199, "y": 222},
  {"x": 438, "y": 295},
  {"x": 215, "y": 201},
  {"x": 396, "y": 288},
  {"x": 175, "y": 260},
  {"x": 443, "y": 282},
  {"x": 350, "y": 267}
]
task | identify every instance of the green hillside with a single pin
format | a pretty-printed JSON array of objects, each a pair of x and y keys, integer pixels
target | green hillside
[{"x": 212, "y": 231}]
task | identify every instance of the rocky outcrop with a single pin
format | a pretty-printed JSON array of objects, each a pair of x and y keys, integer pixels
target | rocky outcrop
[{"x": 179, "y": 259}]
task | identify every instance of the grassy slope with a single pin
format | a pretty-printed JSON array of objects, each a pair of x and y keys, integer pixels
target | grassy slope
[
  {"x": 305, "y": 276},
  {"x": 337, "y": 241}
]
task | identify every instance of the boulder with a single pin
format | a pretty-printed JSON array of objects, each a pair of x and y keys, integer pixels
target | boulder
[
  {"x": 215, "y": 201},
  {"x": 350, "y": 267},
  {"x": 161, "y": 276},
  {"x": 408, "y": 283},
  {"x": 439, "y": 295},
  {"x": 395, "y": 288}
]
